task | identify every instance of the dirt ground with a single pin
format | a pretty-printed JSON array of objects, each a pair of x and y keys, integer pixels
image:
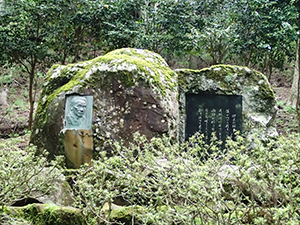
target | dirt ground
[
  {"x": 14, "y": 116},
  {"x": 281, "y": 93}
]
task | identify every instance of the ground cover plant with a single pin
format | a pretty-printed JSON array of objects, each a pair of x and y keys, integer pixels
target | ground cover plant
[
  {"x": 159, "y": 182},
  {"x": 251, "y": 182},
  {"x": 22, "y": 173}
]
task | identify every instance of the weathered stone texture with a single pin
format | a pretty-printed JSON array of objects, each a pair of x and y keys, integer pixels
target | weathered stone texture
[
  {"x": 259, "y": 106},
  {"x": 3, "y": 97},
  {"x": 134, "y": 90}
]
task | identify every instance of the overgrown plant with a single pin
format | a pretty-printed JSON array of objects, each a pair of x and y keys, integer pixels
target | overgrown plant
[
  {"x": 23, "y": 173},
  {"x": 250, "y": 182},
  {"x": 8, "y": 220}
]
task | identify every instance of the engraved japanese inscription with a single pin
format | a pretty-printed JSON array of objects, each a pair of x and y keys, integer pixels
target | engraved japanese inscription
[
  {"x": 78, "y": 112},
  {"x": 211, "y": 113}
]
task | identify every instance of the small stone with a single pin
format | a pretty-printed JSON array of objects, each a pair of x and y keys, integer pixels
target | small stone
[{"x": 3, "y": 97}]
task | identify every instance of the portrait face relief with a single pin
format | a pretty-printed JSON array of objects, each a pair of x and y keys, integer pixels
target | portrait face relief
[
  {"x": 78, "y": 112},
  {"x": 79, "y": 107}
]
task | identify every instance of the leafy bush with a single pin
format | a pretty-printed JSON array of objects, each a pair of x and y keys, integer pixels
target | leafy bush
[
  {"x": 8, "y": 220},
  {"x": 251, "y": 182},
  {"x": 158, "y": 182},
  {"x": 22, "y": 173}
]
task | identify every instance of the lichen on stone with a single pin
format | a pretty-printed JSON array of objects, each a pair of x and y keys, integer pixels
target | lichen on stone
[
  {"x": 122, "y": 214},
  {"x": 258, "y": 97},
  {"x": 116, "y": 80}
]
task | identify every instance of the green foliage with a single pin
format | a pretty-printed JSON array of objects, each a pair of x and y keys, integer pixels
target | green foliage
[
  {"x": 262, "y": 32},
  {"x": 10, "y": 75},
  {"x": 23, "y": 29},
  {"x": 119, "y": 22},
  {"x": 159, "y": 182},
  {"x": 259, "y": 33},
  {"x": 290, "y": 109},
  {"x": 8, "y": 220},
  {"x": 265, "y": 32},
  {"x": 22, "y": 173},
  {"x": 218, "y": 36},
  {"x": 286, "y": 119},
  {"x": 250, "y": 183},
  {"x": 70, "y": 28},
  {"x": 169, "y": 26},
  {"x": 281, "y": 103}
]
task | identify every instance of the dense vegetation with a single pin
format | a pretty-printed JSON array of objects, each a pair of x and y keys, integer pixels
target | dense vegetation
[
  {"x": 256, "y": 33},
  {"x": 253, "y": 182}
]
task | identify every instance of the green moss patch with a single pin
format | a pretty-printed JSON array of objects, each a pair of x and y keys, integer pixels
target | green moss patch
[
  {"x": 135, "y": 65},
  {"x": 122, "y": 214},
  {"x": 225, "y": 79},
  {"x": 45, "y": 214}
]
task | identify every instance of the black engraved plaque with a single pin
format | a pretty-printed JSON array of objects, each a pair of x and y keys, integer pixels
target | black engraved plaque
[{"x": 209, "y": 113}]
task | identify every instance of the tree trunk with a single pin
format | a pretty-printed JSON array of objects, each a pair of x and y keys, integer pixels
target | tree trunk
[
  {"x": 270, "y": 71},
  {"x": 298, "y": 67},
  {"x": 31, "y": 100},
  {"x": 292, "y": 100},
  {"x": 298, "y": 85},
  {"x": 31, "y": 97}
]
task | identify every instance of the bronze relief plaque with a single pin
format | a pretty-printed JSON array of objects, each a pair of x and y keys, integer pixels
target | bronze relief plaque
[{"x": 78, "y": 112}]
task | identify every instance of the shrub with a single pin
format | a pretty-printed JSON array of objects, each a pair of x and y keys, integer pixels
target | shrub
[
  {"x": 250, "y": 182},
  {"x": 158, "y": 182},
  {"x": 22, "y": 173}
]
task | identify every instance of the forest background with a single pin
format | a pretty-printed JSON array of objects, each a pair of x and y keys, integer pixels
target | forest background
[{"x": 36, "y": 34}]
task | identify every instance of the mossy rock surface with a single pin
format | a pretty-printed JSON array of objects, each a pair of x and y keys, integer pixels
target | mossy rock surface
[
  {"x": 126, "y": 215},
  {"x": 258, "y": 107},
  {"x": 46, "y": 214},
  {"x": 134, "y": 91}
]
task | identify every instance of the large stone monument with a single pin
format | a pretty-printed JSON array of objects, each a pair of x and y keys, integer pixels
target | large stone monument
[
  {"x": 224, "y": 99},
  {"x": 133, "y": 91}
]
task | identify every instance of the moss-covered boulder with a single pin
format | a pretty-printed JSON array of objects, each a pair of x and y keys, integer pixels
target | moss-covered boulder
[
  {"x": 134, "y": 90},
  {"x": 126, "y": 215},
  {"x": 60, "y": 193},
  {"x": 43, "y": 214},
  {"x": 258, "y": 99}
]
